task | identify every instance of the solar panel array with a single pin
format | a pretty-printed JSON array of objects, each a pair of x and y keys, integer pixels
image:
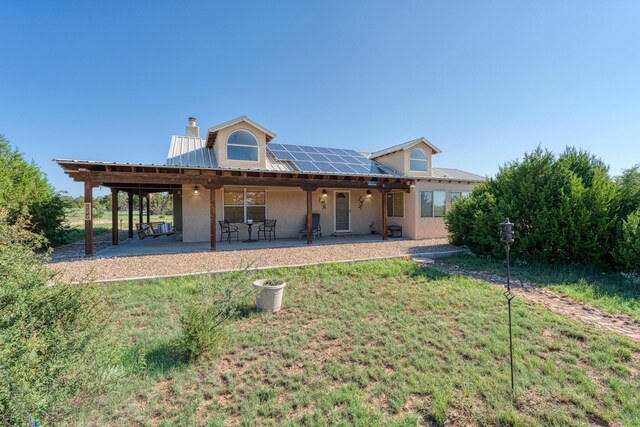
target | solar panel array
[{"x": 328, "y": 160}]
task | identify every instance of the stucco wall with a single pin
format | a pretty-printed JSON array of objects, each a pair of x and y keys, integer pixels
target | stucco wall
[
  {"x": 177, "y": 211},
  {"x": 399, "y": 160},
  {"x": 220, "y": 147},
  {"x": 428, "y": 228},
  {"x": 286, "y": 205}
]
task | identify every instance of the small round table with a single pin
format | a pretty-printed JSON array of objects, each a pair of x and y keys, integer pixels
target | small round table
[{"x": 249, "y": 229}]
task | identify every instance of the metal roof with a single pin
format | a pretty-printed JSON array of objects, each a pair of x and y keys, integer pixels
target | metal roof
[
  {"x": 404, "y": 146},
  {"x": 187, "y": 151},
  {"x": 456, "y": 175},
  {"x": 238, "y": 120}
]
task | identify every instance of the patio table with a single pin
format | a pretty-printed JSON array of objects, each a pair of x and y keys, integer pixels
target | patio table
[{"x": 249, "y": 229}]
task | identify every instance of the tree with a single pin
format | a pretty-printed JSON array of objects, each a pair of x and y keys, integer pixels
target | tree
[{"x": 25, "y": 191}]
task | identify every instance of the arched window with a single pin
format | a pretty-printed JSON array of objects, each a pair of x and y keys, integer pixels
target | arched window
[
  {"x": 241, "y": 145},
  {"x": 418, "y": 160}
]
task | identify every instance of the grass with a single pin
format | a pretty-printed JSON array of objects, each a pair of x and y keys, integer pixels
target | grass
[
  {"x": 384, "y": 342},
  {"x": 612, "y": 292}
]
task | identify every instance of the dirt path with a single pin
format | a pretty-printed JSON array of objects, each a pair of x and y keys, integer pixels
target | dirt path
[{"x": 565, "y": 306}]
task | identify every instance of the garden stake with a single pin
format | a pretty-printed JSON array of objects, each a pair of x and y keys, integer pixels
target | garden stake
[{"x": 506, "y": 237}]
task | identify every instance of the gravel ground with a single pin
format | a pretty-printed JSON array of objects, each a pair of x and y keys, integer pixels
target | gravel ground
[
  {"x": 199, "y": 262},
  {"x": 75, "y": 250}
]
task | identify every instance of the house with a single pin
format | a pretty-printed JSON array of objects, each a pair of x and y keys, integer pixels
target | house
[{"x": 238, "y": 171}]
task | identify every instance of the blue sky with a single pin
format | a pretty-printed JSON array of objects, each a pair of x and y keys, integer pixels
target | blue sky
[{"x": 484, "y": 81}]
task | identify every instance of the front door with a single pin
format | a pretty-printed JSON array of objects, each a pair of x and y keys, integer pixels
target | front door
[{"x": 343, "y": 211}]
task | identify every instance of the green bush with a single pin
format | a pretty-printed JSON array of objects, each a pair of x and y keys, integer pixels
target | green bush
[
  {"x": 627, "y": 250},
  {"x": 217, "y": 300},
  {"x": 564, "y": 209},
  {"x": 50, "y": 333},
  {"x": 25, "y": 191}
]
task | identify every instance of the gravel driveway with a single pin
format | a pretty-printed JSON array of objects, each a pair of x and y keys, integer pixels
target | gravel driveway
[{"x": 103, "y": 269}]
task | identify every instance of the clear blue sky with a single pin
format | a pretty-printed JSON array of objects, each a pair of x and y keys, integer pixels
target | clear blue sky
[{"x": 484, "y": 81}]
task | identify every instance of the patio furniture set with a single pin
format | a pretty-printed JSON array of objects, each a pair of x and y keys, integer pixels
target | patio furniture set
[{"x": 266, "y": 228}]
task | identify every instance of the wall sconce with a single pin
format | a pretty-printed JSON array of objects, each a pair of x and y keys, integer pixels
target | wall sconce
[
  {"x": 323, "y": 199},
  {"x": 196, "y": 190},
  {"x": 361, "y": 200}
]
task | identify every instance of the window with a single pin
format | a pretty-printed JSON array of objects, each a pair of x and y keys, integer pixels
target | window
[
  {"x": 395, "y": 204},
  {"x": 243, "y": 204},
  {"x": 418, "y": 160},
  {"x": 241, "y": 145},
  {"x": 457, "y": 195},
  {"x": 433, "y": 203}
]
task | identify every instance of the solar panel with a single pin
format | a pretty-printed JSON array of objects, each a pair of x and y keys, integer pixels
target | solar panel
[
  {"x": 330, "y": 160},
  {"x": 282, "y": 155},
  {"x": 298, "y": 155},
  {"x": 307, "y": 166}
]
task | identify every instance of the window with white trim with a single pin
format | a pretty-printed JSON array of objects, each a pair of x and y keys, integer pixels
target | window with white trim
[
  {"x": 433, "y": 204},
  {"x": 418, "y": 160},
  {"x": 245, "y": 203},
  {"x": 242, "y": 145},
  {"x": 395, "y": 205}
]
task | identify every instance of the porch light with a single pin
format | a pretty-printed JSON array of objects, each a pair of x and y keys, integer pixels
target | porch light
[
  {"x": 369, "y": 195},
  {"x": 324, "y": 193},
  {"x": 196, "y": 190}
]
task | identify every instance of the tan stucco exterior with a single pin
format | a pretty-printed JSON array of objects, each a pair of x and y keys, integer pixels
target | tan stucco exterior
[
  {"x": 399, "y": 160},
  {"x": 220, "y": 147},
  {"x": 288, "y": 205}
]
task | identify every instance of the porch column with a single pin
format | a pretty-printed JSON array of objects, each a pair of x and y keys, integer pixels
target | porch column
[
  {"x": 88, "y": 219},
  {"x": 114, "y": 216},
  {"x": 130, "y": 199},
  {"x": 309, "y": 216},
  {"x": 140, "y": 204},
  {"x": 384, "y": 214},
  {"x": 212, "y": 217},
  {"x": 148, "y": 210}
]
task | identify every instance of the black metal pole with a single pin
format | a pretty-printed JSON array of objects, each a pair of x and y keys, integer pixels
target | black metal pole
[{"x": 509, "y": 297}]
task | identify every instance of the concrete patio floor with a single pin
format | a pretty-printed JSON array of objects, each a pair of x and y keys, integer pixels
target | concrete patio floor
[{"x": 174, "y": 245}]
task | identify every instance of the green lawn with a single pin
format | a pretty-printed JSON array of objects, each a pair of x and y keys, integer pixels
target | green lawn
[
  {"x": 611, "y": 292},
  {"x": 384, "y": 342}
]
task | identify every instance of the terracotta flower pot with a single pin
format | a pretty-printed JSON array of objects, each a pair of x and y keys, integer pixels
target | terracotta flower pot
[{"x": 268, "y": 298}]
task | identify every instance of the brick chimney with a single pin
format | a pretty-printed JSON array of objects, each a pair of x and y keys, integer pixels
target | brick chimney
[{"x": 192, "y": 129}]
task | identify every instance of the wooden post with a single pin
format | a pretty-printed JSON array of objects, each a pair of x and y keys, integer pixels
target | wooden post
[
  {"x": 140, "y": 203},
  {"x": 309, "y": 217},
  {"x": 384, "y": 214},
  {"x": 88, "y": 219},
  {"x": 130, "y": 194},
  {"x": 114, "y": 216},
  {"x": 148, "y": 210},
  {"x": 212, "y": 217}
]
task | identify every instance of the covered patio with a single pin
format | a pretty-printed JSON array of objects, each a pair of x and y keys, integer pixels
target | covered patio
[
  {"x": 174, "y": 245},
  {"x": 141, "y": 180}
]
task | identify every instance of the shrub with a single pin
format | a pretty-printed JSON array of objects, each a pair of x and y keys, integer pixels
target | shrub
[
  {"x": 627, "y": 250},
  {"x": 25, "y": 191},
  {"x": 50, "y": 333},
  {"x": 217, "y": 299},
  {"x": 564, "y": 209}
]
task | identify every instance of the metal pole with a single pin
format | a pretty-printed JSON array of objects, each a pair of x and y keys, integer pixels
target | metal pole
[{"x": 509, "y": 297}]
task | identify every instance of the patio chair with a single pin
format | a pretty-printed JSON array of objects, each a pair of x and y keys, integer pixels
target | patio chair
[
  {"x": 228, "y": 229},
  {"x": 148, "y": 230},
  {"x": 316, "y": 230},
  {"x": 268, "y": 227}
]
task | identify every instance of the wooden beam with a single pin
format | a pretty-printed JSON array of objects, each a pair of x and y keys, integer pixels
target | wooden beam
[
  {"x": 148, "y": 208},
  {"x": 309, "y": 217},
  {"x": 384, "y": 215},
  {"x": 253, "y": 180},
  {"x": 88, "y": 219},
  {"x": 130, "y": 197},
  {"x": 115, "y": 231},
  {"x": 140, "y": 205},
  {"x": 212, "y": 217}
]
